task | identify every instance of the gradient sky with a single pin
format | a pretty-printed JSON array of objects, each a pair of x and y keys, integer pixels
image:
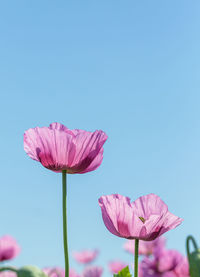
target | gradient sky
[{"x": 130, "y": 68}]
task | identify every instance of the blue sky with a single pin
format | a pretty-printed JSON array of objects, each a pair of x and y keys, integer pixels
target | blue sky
[{"x": 130, "y": 68}]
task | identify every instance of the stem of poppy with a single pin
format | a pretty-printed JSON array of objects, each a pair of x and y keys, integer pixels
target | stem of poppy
[
  {"x": 64, "y": 185},
  {"x": 8, "y": 268},
  {"x": 190, "y": 238},
  {"x": 136, "y": 257}
]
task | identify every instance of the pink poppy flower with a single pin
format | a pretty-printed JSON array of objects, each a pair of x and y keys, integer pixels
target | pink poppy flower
[
  {"x": 168, "y": 263},
  {"x": 116, "y": 266},
  {"x": 145, "y": 219},
  {"x": 146, "y": 248},
  {"x": 92, "y": 271},
  {"x": 59, "y": 148},
  {"x": 9, "y": 248},
  {"x": 85, "y": 256}
]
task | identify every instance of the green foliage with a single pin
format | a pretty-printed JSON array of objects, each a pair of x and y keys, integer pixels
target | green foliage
[
  {"x": 123, "y": 273},
  {"x": 30, "y": 271}
]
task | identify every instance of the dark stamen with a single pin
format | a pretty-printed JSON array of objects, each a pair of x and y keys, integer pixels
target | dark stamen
[{"x": 142, "y": 219}]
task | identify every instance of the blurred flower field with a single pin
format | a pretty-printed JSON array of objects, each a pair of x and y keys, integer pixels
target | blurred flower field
[{"x": 155, "y": 260}]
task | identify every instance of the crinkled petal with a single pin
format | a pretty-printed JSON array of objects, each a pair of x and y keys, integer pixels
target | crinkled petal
[
  {"x": 171, "y": 221},
  {"x": 95, "y": 163},
  {"x": 113, "y": 209},
  {"x": 136, "y": 227},
  {"x": 152, "y": 227},
  {"x": 60, "y": 127},
  {"x": 53, "y": 148},
  {"x": 119, "y": 217},
  {"x": 149, "y": 204},
  {"x": 109, "y": 212},
  {"x": 88, "y": 145}
]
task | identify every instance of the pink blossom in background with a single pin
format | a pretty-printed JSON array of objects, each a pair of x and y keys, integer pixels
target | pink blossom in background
[
  {"x": 168, "y": 260},
  {"x": 116, "y": 266},
  {"x": 92, "y": 271},
  {"x": 140, "y": 271},
  {"x": 8, "y": 274},
  {"x": 145, "y": 247},
  {"x": 85, "y": 256},
  {"x": 73, "y": 273},
  {"x": 9, "y": 248},
  {"x": 58, "y": 148},
  {"x": 146, "y": 218},
  {"x": 168, "y": 263},
  {"x": 54, "y": 271},
  {"x": 182, "y": 268},
  {"x": 59, "y": 272}
]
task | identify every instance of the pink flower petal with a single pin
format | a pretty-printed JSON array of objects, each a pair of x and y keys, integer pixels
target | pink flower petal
[
  {"x": 149, "y": 204},
  {"x": 88, "y": 147},
  {"x": 95, "y": 163},
  {"x": 171, "y": 222},
  {"x": 117, "y": 214}
]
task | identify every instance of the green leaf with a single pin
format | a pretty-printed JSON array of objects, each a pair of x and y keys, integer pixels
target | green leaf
[
  {"x": 30, "y": 271},
  {"x": 123, "y": 273}
]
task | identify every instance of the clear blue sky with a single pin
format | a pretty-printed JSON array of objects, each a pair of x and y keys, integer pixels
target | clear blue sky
[{"x": 130, "y": 68}]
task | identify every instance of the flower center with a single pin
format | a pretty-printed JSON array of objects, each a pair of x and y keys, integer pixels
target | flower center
[{"x": 142, "y": 219}]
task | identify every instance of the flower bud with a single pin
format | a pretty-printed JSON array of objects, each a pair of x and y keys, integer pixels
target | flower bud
[{"x": 30, "y": 271}]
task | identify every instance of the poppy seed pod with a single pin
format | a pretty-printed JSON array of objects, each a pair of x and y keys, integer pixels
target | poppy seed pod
[
  {"x": 30, "y": 271},
  {"x": 193, "y": 257}
]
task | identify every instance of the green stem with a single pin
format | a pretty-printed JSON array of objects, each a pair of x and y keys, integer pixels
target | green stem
[
  {"x": 8, "y": 268},
  {"x": 64, "y": 183},
  {"x": 187, "y": 244},
  {"x": 136, "y": 257}
]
